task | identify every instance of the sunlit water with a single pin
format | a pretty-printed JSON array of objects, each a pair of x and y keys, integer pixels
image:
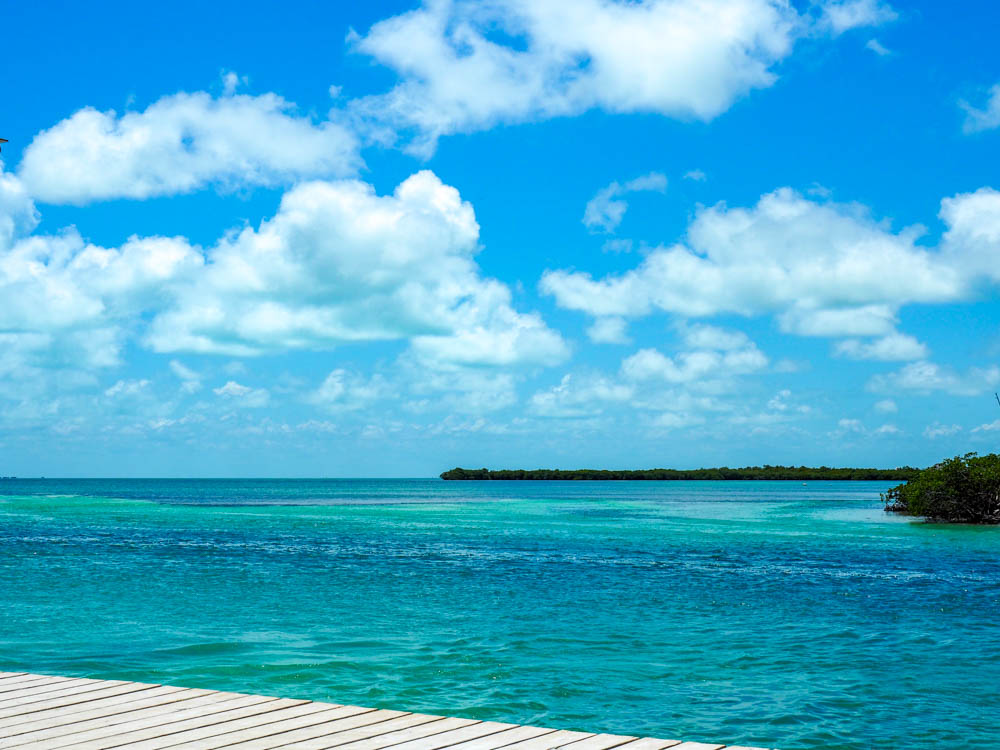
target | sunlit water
[{"x": 762, "y": 613}]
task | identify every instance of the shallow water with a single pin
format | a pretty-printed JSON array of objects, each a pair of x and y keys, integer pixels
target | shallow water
[{"x": 765, "y": 613}]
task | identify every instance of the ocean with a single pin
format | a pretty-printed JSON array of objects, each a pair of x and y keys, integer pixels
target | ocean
[{"x": 756, "y": 613}]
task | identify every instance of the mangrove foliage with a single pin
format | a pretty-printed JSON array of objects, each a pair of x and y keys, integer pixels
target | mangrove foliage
[
  {"x": 800, "y": 473},
  {"x": 964, "y": 489}
]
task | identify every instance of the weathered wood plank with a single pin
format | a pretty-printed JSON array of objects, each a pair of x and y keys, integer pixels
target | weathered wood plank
[
  {"x": 48, "y": 692},
  {"x": 548, "y": 741},
  {"x": 440, "y": 726},
  {"x": 68, "y": 713},
  {"x": 322, "y": 714},
  {"x": 600, "y": 742},
  {"x": 649, "y": 743},
  {"x": 31, "y": 680},
  {"x": 196, "y": 731},
  {"x": 502, "y": 739},
  {"x": 462, "y": 734},
  {"x": 69, "y": 700},
  {"x": 366, "y": 718},
  {"x": 373, "y": 730},
  {"x": 171, "y": 708},
  {"x": 45, "y": 712}
]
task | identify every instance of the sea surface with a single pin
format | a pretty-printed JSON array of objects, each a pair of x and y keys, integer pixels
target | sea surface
[{"x": 757, "y": 613}]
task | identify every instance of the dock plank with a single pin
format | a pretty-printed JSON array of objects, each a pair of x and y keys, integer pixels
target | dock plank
[
  {"x": 371, "y": 730},
  {"x": 75, "y": 699},
  {"x": 64, "y": 714},
  {"x": 11, "y": 688},
  {"x": 367, "y": 718},
  {"x": 137, "y": 717},
  {"x": 48, "y": 712},
  {"x": 455, "y": 736},
  {"x": 211, "y": 727},
  {"x": 600, "y": 742},
  {"x": 127, "y": 736},
  {"x": 502, "y": 739},
  {"x": 442, "y": 725},
  {"x": 49, "y": 692}
]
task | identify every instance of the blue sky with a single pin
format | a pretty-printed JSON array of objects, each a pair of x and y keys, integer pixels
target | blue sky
[{"x": 384, "y": 240}]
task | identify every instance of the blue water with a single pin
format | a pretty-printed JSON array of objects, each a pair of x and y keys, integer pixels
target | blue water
[{"x": 763, "y": 613}]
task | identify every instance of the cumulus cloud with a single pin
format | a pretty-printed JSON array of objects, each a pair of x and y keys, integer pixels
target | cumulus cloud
[
  {"x": 183, "y": 143},
  {"x": 986, "y": 117},
  {"x": 190, "y": 380},
  {"x": 715, "y": 354},
  {"x": 937, "y": 430},
  {"x": 876, "y": 46},
  {"x": 824, "y": 269},
  {"x": 342, "y": 390},
  {"x": 609, "y": 331},
  {"x": 686, "y": 367},
  {"x": 605, "y": 211},
  {"x": 844, "y": 15},
  {"x": 465, "y": 66},
  {"x": 243, "y": 395},
  {"x": 927, "y": 377},
  {"x": 886, "y": 406},
  {"x": 339, "y": 263},
  {"x": 580, "y": 396},
  {"x": 895, "y": 347},
  {"x": 336, "y": 264},
  {"x": 66, "y": 302}
]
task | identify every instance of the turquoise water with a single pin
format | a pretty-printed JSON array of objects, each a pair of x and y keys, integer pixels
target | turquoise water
[{"x": 762, "y": 613}]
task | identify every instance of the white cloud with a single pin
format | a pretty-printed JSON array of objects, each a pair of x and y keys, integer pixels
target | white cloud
[
  {"x": 700, "y": 336},
  {"x": 927, "y": 377},
  {"x": 843, "y": 15},
  {"x": 232, "y": 81},
  {"x": 466, "y": 66},
  {"x": 342, "y": 390},
  {"x": 972, "y": 241},
  {"x": 604, "y": 212},
  {"x": 695, "y": 174},
  {"x": 989, "y": 427},
  {"x": 982, "y": 118},
  {"x": 824, "y": 269},
  {"x": 937, "y": 430},
  {"x": 886, "y": 406},
  {"x": 609, "y": 331},
  {"x": 190, "y": 380},
  {"x": 850, "y": 425},
  {"x": 617, "y": 246},
  {"x": 686, "y": 367},
  {"x": 888, "y": 429},
  {"x": 127, "y": 388},
  {"x": 782, "y": 402},
  {"x": 339, "y": 263},
  {"x": 455, "y": 387},
  {"x": 336, "y": 264},
  {"x": 896, "y": 347},
  {"x": 580, "y": 396},
  {"x": 876, "y": 46},
  {"x": 243, "y": 395},
  {"x": 182, "y": 143}
]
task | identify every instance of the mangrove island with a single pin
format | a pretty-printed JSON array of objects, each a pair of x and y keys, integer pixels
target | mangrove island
[{"x": 766, "y": 472}]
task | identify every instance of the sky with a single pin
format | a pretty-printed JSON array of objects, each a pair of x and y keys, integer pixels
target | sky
[{"x": 386, "y": 239}]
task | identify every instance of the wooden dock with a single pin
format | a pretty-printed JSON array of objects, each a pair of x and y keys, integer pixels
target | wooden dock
[{"x": 40, "y": 712}]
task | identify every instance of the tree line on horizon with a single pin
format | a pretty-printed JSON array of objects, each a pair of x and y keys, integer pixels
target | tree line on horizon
[{"x": 766, "y": 472}]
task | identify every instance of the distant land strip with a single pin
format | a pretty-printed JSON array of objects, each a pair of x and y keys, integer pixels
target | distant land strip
[{"x": 801, "y": 473}]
